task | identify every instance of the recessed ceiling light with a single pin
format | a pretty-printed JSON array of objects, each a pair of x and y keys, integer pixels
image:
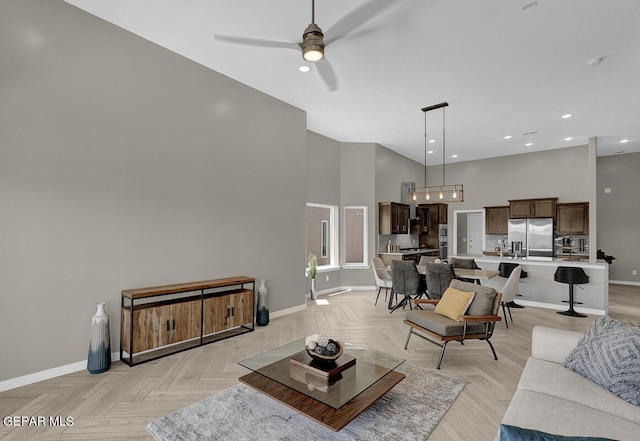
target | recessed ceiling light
[
  {"x": 304, "y": 68},
  {"x": 624, "y": 141},
  {"x": 431, "y": 141},
  {"x": 430, "y": 152},
  {"x": 454, "y": 156},
  {"x": 529, "y": 144},
  {"x": 567, "y": 115},
  {"x": 568, "y": 138},
  {"x": 507, "y": 137}
]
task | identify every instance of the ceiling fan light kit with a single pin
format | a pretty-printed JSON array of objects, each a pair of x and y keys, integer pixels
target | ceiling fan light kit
[{"x": 312, "y": 43}]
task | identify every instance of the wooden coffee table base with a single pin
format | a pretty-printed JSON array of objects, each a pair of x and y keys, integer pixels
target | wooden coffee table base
[{"x": 334, "y": 419}]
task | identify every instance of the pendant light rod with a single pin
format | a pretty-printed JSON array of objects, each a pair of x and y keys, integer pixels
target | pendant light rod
[{"x": 313, "y": 11}]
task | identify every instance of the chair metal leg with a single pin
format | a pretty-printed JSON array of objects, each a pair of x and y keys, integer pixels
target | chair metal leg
[
  {"x": 444, "y": 346},
  {"x": 378, "y": 296},
  {"x": 408, "y": 337},
  {"x": 495, "y": 357},
  {"x": 504, "y": 313},
  {"x": 510, "y": 316}
]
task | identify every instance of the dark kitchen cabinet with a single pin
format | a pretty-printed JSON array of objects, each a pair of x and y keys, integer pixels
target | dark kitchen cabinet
[
  {"x": 532, "y": 208},
  {"x": 437, "y": 215},
  {"x": 421, "y": 224},
  {"x": 572, "y": 218},
  {"x": 393, "y": 218},
  {"x": 496, "y": 220}
]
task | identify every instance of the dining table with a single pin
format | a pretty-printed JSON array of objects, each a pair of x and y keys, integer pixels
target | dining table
[{"x": 466, "y": 273}]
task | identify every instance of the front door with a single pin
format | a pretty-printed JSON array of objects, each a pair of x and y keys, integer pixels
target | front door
[{"x": 475, "y": 230}]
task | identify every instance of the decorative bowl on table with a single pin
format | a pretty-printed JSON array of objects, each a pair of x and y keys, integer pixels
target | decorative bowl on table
[{"x": 323, "y": 349}]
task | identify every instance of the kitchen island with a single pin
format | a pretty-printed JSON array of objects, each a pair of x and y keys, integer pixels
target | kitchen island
[
  {"x": 411, "y": 254},
  {"x": 540, "y": 290}
]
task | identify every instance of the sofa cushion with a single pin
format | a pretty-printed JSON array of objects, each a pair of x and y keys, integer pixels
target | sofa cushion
[
  {"x": 550, "y": 414},
  {"x": 483, "y": 300},
  {"x": 441, "y": 325},
  {"x": 454, "y": 303},
  {"x": 552, "y": 379},
  {"x": 609, "y": 354},
  {"x": 514, "y": 433}
]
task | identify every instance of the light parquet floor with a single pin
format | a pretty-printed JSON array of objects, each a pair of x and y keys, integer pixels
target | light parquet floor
[{"x": 118, "y": 404}]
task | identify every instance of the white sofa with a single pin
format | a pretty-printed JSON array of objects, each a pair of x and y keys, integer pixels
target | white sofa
[{"x": 553, "y": 399}]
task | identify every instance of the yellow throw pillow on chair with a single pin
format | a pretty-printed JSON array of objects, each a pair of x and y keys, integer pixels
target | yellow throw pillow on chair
[{"x": 454, "y": 303}]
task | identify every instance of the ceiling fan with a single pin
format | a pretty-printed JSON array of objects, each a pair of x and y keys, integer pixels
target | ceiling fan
[{"x": 314, "y": 42}]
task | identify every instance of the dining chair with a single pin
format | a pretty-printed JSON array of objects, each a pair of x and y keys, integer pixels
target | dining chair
[
  {"x": 438, "y": 278},
  {"x": 383, "y": 279},
  {"x": 406, "y": 281},
  {"x": 508, "y": 292}
]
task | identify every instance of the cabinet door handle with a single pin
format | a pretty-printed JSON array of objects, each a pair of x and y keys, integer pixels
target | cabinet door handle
[
  {"x": 168, "y": 329},
  {"x": 232, "y": 313},
  {"x": 173, "y": 324}
]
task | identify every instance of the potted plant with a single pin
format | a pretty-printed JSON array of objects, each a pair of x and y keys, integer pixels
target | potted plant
[{"x": 312, "y": 264}]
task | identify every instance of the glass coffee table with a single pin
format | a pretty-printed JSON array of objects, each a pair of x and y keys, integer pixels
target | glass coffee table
[{"x": 332, "y": 395}]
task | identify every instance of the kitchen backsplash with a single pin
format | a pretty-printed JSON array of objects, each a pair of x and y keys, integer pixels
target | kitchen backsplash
[{"x": 404, "y": 240}]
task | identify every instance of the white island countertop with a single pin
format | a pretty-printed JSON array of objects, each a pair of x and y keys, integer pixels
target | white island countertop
[{"x": 539, "y": 289}]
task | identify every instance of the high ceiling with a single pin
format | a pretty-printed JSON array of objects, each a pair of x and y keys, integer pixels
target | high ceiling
[{"x": 506, "y": 67}]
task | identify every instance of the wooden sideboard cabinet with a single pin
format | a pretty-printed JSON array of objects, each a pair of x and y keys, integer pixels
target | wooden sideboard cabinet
[{"x": 163, "y": 320}]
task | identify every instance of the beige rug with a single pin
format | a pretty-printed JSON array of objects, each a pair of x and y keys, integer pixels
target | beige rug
[{"x": 410, "y": 411}]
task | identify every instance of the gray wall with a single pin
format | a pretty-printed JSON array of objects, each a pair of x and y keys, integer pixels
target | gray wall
[
  {"x": 323, "y": 187},
  {"x": 619, "y": 213},
  {"x": 123, "y": 165}
]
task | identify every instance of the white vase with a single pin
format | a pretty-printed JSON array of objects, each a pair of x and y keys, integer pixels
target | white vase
[
  {"x": 99, "y": 358},
  {"x": 312, "y": 289},
  {"x": 262, "y": 314}
]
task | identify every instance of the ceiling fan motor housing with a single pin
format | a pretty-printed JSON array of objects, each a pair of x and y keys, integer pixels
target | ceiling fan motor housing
[{"x": 312, "y": 43}]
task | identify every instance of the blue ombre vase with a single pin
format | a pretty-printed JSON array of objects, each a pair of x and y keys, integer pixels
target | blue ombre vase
[{"x": 99, "y": 358}]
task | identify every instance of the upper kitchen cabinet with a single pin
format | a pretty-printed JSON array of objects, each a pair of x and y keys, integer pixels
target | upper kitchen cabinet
[
  {"x": 496, "y": 220},
  {"x": 393, "y": 218},
  {"x": 437, "y": 214},
  {"x": 422, "y": 222},
  {"x": 572, "y": 218},
  {"x": 530, "y": 208}
]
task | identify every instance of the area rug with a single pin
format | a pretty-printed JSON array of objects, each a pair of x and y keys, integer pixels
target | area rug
[{"x": 409, "y": 411}]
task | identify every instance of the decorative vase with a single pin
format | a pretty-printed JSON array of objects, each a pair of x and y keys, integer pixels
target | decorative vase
[
  {"x": 312, "y": 289},
  {"x": 99, "y": 358},
  {"x": 262, "y": 316}
]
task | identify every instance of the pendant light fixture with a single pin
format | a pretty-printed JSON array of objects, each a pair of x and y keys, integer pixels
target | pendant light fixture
[{"x": 444, "y": 192}]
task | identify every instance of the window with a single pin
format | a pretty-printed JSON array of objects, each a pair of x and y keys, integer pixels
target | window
[
  {"x": 322, "y": 234},
  {"x": 355, "y": 236}
]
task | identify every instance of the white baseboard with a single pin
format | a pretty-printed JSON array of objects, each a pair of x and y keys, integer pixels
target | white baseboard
[
  {"x": 24, "y": 380},
  {"x": 624, "y": 282},
  {"x": 12, "y": 383}
]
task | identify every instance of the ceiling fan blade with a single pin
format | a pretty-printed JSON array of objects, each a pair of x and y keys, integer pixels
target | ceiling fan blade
[
  {"x": 257, "y": 42},
  {"x": 327, "y": 74},
  {"x": 357, "y": 18}
]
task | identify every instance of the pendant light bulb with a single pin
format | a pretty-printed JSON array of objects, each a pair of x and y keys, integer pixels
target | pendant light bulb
[
  {"x": 441, "y": 195},
  {"x": 455, "y": 194},
  {"x": 414, "y": 197},
  {"x": 428, "y": 196}
]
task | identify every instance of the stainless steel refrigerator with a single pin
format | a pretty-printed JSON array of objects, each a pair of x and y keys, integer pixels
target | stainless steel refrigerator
[{"x": 531, "y": 237}]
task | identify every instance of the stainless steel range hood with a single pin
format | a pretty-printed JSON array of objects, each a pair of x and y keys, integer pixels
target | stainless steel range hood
[{"x": 407, "y": 189}]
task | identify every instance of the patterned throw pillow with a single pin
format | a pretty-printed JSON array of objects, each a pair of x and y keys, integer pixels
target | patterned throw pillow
[{"x": 609, "y": 354}]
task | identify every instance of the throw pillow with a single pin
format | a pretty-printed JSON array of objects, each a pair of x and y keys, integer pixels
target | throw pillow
[
  {"x": 454, "y": 303},
  {"x": 609, "y": 354},
  {"x": 513, "y": 433}
]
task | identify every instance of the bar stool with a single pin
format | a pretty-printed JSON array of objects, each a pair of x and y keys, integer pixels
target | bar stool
[
  {"x": 573, "y": 276},
  {"x": 505, "y": 269}
]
